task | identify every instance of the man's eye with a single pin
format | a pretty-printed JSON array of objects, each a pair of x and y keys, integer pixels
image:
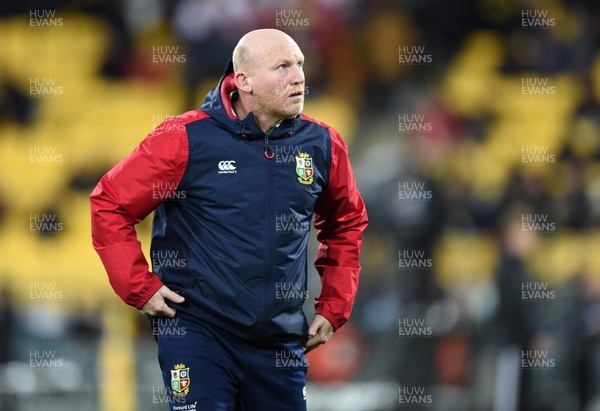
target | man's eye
[{"x": 281, "y": 66}]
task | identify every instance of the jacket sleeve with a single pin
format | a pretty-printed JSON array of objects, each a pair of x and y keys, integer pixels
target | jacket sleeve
[
  {"x": 125, "y": 196},
  {"x": 340, "y": 218}
]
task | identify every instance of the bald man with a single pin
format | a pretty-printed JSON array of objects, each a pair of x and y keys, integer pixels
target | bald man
[{"x": 234, "y": 187}]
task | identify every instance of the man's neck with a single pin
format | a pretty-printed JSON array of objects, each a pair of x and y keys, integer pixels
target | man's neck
[{"x": 265, "y": 122}]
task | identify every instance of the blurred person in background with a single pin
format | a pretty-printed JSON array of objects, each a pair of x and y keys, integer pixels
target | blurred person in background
[
  {"x": 224, "y": 256},
  {"x": 516, "y": 320},
  {"x": 208, "y": 30},
  {"x": 7, "y": 341}
]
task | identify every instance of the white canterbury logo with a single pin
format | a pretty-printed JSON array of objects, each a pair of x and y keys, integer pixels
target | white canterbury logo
[{"x": 227, "y": 167}]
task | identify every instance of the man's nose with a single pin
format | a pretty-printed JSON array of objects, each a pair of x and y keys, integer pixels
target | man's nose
[{"x": 297, "y": 75}]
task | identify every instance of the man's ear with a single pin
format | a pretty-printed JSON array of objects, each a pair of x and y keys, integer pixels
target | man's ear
[{"x": 241, "y": 81}]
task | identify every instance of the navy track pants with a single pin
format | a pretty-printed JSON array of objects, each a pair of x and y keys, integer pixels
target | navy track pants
[{"x": 207, "y": 369}]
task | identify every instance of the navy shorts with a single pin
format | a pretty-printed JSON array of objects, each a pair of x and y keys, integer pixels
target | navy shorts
[{"x": 206, "y": 368}]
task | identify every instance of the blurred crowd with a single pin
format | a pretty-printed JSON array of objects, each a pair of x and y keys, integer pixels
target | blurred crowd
[{"x": 474, "y": 130}]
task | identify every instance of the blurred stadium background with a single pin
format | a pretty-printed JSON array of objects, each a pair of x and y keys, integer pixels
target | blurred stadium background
[{"x": 474, "y": 130}]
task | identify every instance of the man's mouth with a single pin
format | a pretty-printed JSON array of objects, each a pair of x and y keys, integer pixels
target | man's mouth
[{"x": 297, "y": 93}]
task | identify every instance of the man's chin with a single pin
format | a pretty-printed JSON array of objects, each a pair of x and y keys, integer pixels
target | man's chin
[{"x": 292, "y": 112}]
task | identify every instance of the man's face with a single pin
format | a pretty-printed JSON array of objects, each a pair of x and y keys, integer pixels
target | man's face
[{"x": 277, "y": 81}]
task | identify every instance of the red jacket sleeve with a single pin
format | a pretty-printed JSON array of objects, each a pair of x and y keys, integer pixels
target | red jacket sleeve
[
  {"x": 340, "y": 218},
  {"x": 125, "y": 196}
]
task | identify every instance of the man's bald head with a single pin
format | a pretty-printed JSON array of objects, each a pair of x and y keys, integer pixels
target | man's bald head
[
  {"x": 257, "y": 44},
  {"x": 269, "y": 77}
]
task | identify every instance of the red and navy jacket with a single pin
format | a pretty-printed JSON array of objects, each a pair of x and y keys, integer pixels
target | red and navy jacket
[{"x": 232, "y": 211}]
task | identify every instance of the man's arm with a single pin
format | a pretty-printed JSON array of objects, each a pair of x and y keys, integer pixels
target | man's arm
[
  {"x": 340, "y": 218},
  {"x": 124, "y": 197}
]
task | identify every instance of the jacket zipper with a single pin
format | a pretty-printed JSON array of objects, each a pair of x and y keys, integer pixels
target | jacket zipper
[
  {"x": 269, "y": 154},
  {"x": 268, "y": 151}
]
